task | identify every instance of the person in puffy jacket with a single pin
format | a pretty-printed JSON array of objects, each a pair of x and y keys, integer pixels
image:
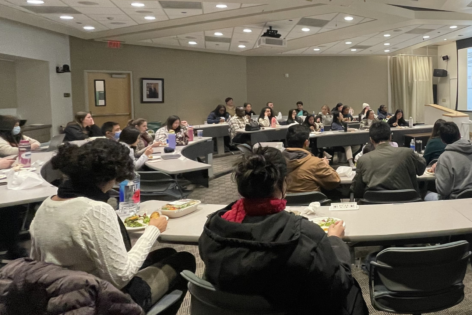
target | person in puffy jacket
[{"x": 219, "y": 115}]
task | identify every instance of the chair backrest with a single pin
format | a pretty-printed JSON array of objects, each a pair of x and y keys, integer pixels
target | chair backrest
[
  {"x": 429, "y": 277},
  {"x": 390, "y": 196},
  {"x": 55, "y": 142},
  {"x": 52, "y": 176},
  {"x": 304, "y": 199},
  {"x": 207, "y": 300},
  {"x": 244, "y": 148},
  {"x": 465, "y": 194}
]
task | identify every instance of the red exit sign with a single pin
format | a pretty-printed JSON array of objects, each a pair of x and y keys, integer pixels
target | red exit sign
[{"x": 114, "y": 44}]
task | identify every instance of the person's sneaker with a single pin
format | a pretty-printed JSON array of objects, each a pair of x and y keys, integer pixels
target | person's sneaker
[{"x": 16, "y": 253}]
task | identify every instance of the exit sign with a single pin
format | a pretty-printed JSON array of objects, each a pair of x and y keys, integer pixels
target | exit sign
[{"x": 114, "y": 44}]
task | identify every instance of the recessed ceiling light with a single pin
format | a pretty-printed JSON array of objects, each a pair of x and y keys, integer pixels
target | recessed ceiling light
[
  {"x": 192, "y": 42},
  {"x": 386, "y": 35},
  {"x": 445, "y": 38},
  {"x": 453, "y": 26},
  {"x": 89, "y": 28},
  {"x": 348, "y": 43},
  {"x": 137, "y": 4},
  {"x": 348, "y": 18},
  {"x": 316, "y": 49},
  {"x": 426, "y": 37},
  {"x": 35, "y": 1},
  {"x": 221, "y": 6},
  {"x": 242, "y": 46},
  {"x": 218, "y": 34},
  {"x": 66, "y": 17},
  {"x": 386, "y": 50},
  {"x": 387, "y": 44},
  {"x": 305, "y": 29},
  {"x": 247, "y": 30},
  {"x": 149, "y": 17},
  {"x": 353, "y": 49}
]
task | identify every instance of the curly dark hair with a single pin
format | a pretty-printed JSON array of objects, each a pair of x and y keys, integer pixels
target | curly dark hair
[
  {"x": 96, "y": 162},
  {"x": 258, "y": 174}
]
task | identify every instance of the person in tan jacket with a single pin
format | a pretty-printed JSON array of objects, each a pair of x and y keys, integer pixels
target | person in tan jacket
[{"x": 306, "y": 172}]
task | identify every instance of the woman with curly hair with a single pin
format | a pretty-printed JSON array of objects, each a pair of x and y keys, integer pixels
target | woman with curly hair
[{"x": 78, "y": 230}]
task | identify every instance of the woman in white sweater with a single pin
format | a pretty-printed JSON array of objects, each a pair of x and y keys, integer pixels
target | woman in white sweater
[
  {"x": 129, "y": 138},
  {"x": 78, "y": 230},
  {"x": 10, "y": 136},
  {"x": 265, "y": 117}
]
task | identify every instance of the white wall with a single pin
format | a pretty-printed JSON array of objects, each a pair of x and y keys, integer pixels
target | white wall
[
  {"x": 28, "y": 42},
  {"x": 7, "y": 84},
  {"x": 447, "y": 86}
]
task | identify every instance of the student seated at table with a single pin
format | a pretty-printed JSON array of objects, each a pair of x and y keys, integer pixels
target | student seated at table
[
  {"x": 111, "y": 130},
  {"x": 292, "y": 117},
  {"x": 81, "y": 128},
  {"x": 397, "y": 119},
  {"x": 248, "y": 110},
  {"x": 78, "y": 230},
  {"x": 10, "y": 136},
  {"x": 145, "y": 138},
  {"x": 368, "y": 119},
  {"x": 300, "y": 110},
  {"x": 265, "y": 117},
  {"x": 310, "y": 123},
  {"x": 254, "y": 247},
  {"x": 306, "y": 172},
  {"x": 270, "y": 104},
  {"x": 337, "y": 108},
  {"x": 230, "y": 109},
  {"x": 386, "y": 168},
  {"x": 338, "y": 126},
  {"x": 238, "y": 122},
  {"x": 347, "y": 113},
  {"x": 454, "y": 167},
  {"x": 218, "y": 116},
  {"x": 382, "y": 113},
  {"x": 326, "y": 115},
  {"x": 435, "y": 146},
  {"x": 370, "y": 147},
  {"x": 129, "y": 138},
  {"x": 175, "y": 125},
  {"x": 363, "y": 113}
]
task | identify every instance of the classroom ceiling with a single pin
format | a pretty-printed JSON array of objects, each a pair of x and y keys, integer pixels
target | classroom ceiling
[{"x": 310, "y": 27}]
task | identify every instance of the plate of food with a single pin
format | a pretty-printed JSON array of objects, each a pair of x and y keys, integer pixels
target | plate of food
[
  {"x": 2, "y": 176},
  {"x": 18, "y": 168},
  {"x": 429, "y": 172},
  {"x": 326, "y": 222},
  {"x": 180, "y": 208},
  {"x": 154, "y": 157},
  {"x": 140, "y": 221}
]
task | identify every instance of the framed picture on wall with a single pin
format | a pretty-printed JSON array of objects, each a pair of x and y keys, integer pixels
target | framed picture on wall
[{"x": 152, "y": 90}]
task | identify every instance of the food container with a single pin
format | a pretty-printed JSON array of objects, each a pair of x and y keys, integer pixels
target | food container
[{"x": 181, "y": 211}]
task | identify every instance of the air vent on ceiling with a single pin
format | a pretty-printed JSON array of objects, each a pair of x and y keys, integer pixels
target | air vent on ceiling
[
  {"x": 361, "y": 47},
  {"x": 417, "y": 8},
  {"x": 180, "y": 5},
  {"x": 312, "y": 22},
  {"x": 51, "y": 10},
  {"x": 118, "y": 23},
  {"x": 144, "y": 12},
  {"x": 88, "y": 3},
  {"x": 419, "y": 31},
  {"x": 217, "y": 39}
]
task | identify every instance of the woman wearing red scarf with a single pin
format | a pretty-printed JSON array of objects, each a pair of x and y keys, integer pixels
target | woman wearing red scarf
[{"x": 254, "y": 247}]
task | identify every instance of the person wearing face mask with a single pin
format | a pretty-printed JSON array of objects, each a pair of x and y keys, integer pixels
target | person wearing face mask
[
  {"x": 129, "y": 138},
  {"x": 111, "y": 130},
  {"x": 10, "y": 136},
  {"x": 82, "y": 128}
]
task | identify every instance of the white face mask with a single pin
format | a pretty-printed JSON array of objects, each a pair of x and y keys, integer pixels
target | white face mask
[{"x": 16, "y": 130}]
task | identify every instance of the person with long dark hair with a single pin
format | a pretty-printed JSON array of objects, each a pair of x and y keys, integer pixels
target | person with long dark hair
[
  {"x": 265, "y": 117},
  {"x": 145, "y": 138},
  {"x": 248, "y": 110},
  {"x": 346, "y": 113},
  {"x": 11, "y": 135},
  {"x": 368, "y": 119},
  {"x": 363, "y": 113},
  {"x": 397, "y": 119},
  {"x": 310, "y": 123},
  {"x": 219, "y": 115},
  {"x": 82, "y": 127},
  {"x": 337, "y": 108},
  {"x": 382, "y": 113},
  {"x": 173, "y": 125},
  {"x": 292, "y": 117},
  {"x": 338, "y": 125},
  {"x": 129, "y": 137},
  {"x": 78, "y": 230},
  {"x": 254, "y": 247},
  {"x": 435, "y": 146}
]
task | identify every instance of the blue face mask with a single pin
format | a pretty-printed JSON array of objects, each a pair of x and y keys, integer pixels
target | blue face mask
[
  {"x": 117, "y": 135},
  {"x": 16, "y": 130}
]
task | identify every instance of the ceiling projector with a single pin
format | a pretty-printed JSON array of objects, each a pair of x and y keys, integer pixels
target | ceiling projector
[{"x": 271, "y": 38}]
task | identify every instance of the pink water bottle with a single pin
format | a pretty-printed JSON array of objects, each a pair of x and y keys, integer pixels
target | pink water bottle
[
  {"x": 274, "y": 122},
  {"x": 190, "y": 133},
  {"x": 24, "y": 153}
]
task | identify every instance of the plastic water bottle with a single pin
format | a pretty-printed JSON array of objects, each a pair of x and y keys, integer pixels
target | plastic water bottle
[
  {"x": 412, "y": 144},
  {"x": 322, "y": 128},
  {"x": 24, "y": 153},
  {"x": 410, "y": 122},
  {"x": 130, "y": 196},
  {"x": 274, "y": 122},
  {"x": 171, "y": 139},
  {"x": 190, "y": 133}
]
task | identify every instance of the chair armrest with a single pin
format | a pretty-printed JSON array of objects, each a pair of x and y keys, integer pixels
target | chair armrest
[
  {"x": 191, "y": 277},
  {"x": 165, "y": 302}
]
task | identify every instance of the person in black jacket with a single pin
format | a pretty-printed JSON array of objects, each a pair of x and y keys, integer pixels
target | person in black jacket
[
  {"x": 219, "y": 115},
  {"x": 300, "y": 109},
  {"x": 254, "y": 247},
  {"x": 248, "y": 110},
  {"x": 82, "y": 128},
  {"x": 292, "y": 117},
  {"x": 397, "y": 119}
]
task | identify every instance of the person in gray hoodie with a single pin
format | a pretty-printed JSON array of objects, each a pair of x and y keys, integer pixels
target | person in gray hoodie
[{"x": 454, "y": 167}]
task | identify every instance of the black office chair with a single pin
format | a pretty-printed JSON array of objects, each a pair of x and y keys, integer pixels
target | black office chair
[
  {"x": 463, "y": 195},
  {"x": 154, "y": 184},
  {"x": 419, "y": 279},
  {"x": 206, "y": 300},
  {"x": 244, "y": 148},
  {"x": 304, "y": 199},
  {"x": 390, "y": 196},
  {"x": 52, "y": 176}
]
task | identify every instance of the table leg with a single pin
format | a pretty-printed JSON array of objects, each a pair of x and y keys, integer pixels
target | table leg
[
  {"x": 220, "y": 145},
  {"x": 210, "y": 162}
]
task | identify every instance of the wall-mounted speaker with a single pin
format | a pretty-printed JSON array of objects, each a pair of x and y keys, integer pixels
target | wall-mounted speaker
[
  {"x": 440, "y": 73},
  {"x": 445, "y": 58}
]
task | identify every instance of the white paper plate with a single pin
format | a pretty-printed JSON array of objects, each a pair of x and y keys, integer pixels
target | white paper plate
[
  {"x": 154, "y": 157},
  {"x": 140, "y": 227},
  {"x": 2, "y": 176},
  {"x": 320, "y": 219}
]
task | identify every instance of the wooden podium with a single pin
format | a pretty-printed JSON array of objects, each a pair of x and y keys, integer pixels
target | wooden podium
[{"x": 433, "y": 112}]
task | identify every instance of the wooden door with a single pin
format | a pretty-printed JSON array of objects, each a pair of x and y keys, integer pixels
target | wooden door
[{"x": 117, "y": 98}]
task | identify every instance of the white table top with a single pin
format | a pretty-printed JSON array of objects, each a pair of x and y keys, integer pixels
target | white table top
[
  {"x": 225, "y": 125},
  {"x": 369, "y": 223},
  {"x": 265, "y": 129},
  {"x": 357, "y": 131},
  {"x": 424, "y": 177}
]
